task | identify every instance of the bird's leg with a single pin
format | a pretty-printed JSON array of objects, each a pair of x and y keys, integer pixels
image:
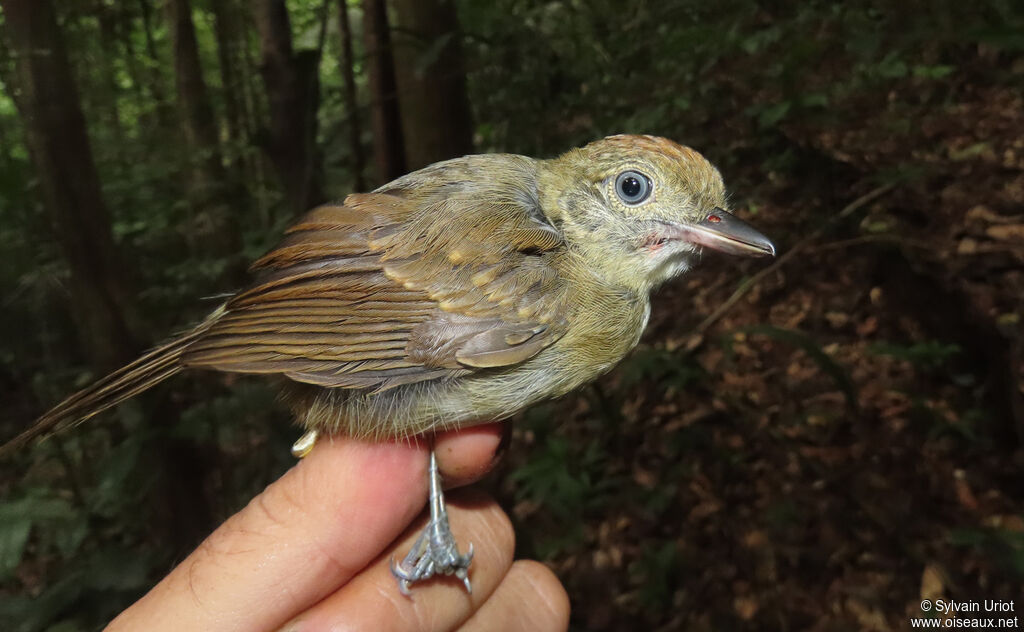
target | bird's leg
[
  {"x": 305, "y": 444},
  {"x": 435, "y": 551}
]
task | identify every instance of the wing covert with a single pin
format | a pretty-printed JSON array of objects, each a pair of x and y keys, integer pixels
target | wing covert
[{"x": 405, "y": 284}]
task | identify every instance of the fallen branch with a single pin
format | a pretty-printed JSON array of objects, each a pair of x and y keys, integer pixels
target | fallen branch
[{"x": 697, "y": 336}]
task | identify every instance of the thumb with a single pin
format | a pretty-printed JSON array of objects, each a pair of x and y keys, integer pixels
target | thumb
[{"x": 304, "y": 536}]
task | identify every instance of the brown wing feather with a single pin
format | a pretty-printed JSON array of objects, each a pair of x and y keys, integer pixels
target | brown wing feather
[{"x": 410, "y": 283}]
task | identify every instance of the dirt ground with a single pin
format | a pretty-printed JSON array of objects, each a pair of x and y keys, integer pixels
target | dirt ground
[{"x": 857, "y": 454}]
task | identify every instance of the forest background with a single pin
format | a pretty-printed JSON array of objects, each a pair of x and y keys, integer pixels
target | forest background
[{"x": 819, "y": 442}]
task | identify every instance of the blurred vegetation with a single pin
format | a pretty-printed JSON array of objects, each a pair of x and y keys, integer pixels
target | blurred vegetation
[{"x": 842, "y": 442}]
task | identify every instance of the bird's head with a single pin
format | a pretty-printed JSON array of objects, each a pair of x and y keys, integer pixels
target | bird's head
[{"x": 639, "y": 209}]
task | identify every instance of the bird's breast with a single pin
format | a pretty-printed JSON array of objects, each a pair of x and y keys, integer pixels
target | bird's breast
[{"x": 603, "y": 332}]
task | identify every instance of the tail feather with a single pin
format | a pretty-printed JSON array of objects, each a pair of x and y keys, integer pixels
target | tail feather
[{"x": 152, "y": 368}]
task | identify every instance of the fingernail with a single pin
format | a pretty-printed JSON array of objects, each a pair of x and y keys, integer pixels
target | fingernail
[{"x": 506, "y": 440}]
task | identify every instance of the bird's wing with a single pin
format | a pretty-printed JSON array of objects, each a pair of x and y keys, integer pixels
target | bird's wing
[{"x": 405, "y": 284}]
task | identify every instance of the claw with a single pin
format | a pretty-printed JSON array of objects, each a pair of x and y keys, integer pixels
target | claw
[
  {"x": 435, "y": 551},
  {"x": 404, "y": 579},
  {"x": 462, "y": 571}
]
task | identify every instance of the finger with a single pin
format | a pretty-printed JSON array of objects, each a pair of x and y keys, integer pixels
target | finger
[
  {"x": 372, "y": 600},
  {"x": 295, "y": 543},
  {"x": 529, "y": 599},
  {"x": 464, "y": 456}
]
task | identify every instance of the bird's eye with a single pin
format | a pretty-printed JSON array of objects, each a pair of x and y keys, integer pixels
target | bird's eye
[{"x": 632, "y": 187}]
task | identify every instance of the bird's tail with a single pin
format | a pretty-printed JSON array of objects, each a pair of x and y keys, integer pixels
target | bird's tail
[{"x": 152, "y": 368}]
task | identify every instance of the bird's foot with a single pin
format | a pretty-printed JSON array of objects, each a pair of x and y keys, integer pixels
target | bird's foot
[
  {"x": 435, "y": 551},
  {"x": 305, "y": 444},
  {"x": 433, "y": 555}
]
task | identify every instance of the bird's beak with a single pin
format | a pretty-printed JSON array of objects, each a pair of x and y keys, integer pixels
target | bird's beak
[{"x": 727, "y": 233}]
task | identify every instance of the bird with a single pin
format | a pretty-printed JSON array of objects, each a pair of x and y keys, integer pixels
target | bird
[{"x": 455, "y": 295}]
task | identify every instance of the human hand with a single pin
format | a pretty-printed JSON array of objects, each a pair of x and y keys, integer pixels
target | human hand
[{"x": 313, "y": 552}]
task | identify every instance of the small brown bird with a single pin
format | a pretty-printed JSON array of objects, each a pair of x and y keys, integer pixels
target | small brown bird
[{"x": 456, "y": 295}]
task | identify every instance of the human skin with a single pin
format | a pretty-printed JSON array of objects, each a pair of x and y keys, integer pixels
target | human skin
[{"x": 313, "y": 552}]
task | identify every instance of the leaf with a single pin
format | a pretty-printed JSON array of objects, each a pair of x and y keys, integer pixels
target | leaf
[
  {"x": 19, "y": 516},
  {"x": 35, "y": 507},
  {"x": 933, "y": 584},
  {"x": 929, "y": 355},
  {"x": 932, "y": 72},
  {"x": 1004, "y": 546},
  {"x": 1008, "y": 37},
  {"x": 119, "y": 472},
  {"x": 118, "y": 569},
  {"x": 663, "y": 367},
  {"x": 814, "y": 100},
  {"x": 13, "y": 537},
  {"x": 892, "y": 67},
  {"x": 773, "y": 114},
  {"x": 20, "y": 613}
]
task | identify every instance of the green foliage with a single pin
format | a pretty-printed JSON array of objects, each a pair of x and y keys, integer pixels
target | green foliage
[
  {"x": 659, "y": 366},
  {"x": 927, "y": 356},
  {"x": 566, "y": 480},
  {"x": 92, "y": 588},
  {"x": 655, "y": 572},
  {"x": 1004, "y": 546},
  {"x": 36, "y": 509}
]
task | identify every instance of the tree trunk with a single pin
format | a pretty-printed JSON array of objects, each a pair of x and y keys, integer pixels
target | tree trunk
[
  {"x": 357, "y": 162},
  {"x": 388, "y": 146},
  {"x": 293, "y": 96},
  {"x": 110, "y": 89},
  {"x": 155, "y": 79},
  {"x": 224, "y": 30},
  {"x": 249, "y": 66},
  {"x": 59, "y": 146},
  {"x": 196, "y": 113},
  {"x": 436, "y": 118},
  {"x": 210, "y": 194}
]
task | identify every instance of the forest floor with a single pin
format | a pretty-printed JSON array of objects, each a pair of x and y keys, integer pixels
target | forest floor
[{"x": 860, "y": 452}]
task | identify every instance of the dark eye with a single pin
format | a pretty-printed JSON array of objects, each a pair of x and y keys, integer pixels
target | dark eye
[{"x": 632, "y": 187}]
